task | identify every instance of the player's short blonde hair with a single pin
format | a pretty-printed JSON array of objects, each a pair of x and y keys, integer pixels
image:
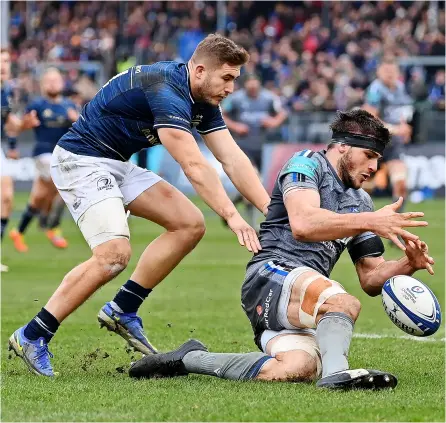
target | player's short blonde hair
[{"x": 220, "y": 50}]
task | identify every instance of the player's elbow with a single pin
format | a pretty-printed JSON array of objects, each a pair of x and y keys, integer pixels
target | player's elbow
[
  {"x": 301, "y": 231},
  {"x": 370, "y": 288},
  {"x": 193, "y": 169}
]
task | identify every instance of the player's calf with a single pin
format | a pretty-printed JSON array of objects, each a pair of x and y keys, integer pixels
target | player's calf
[{"x": 290, "y": 366}]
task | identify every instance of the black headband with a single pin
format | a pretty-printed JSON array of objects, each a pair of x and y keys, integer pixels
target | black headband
[{"x": 358, "y": 140}]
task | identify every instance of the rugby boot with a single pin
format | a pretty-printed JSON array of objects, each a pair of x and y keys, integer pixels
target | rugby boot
[
  {"x": 127, "y": 325},
  {"x": 358, "y": 379},
  {"x": 165, "y": 365}
]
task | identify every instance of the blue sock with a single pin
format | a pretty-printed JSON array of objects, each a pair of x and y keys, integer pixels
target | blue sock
[
  {"x": 4, "y": 223},
  {"x": 44, "y": 325},
  {"x": 27, "y": 216},
  {"x": 130, "y": 296}
]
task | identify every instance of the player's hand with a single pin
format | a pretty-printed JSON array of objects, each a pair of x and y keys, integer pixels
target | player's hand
[
  {"x": 403, "y": 130},
  {"x": 246, "y": 235},
  {"x": 242, "y": 129},
  {"x": 13, "y": 125},
  {"x": 269, "y": 123},
  {"x": 30, "y": 120},
  {"x": 73, "y": 115},
  {"x": 418, "y": 254},
  {"x": 13, "y": 154},
  {"x": 387, "y": 223}
]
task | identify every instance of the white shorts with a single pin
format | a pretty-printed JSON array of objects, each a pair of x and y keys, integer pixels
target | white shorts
[
  {"x": 83, "y": 181},
  {"x": 5, "y": 165},
  {"x": 43, "y": 166}
]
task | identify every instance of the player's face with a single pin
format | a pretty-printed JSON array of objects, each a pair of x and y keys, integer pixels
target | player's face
[
  {"x": 5, "y": 68},
  {"x": 52, "y": 84},
  {"x": 388, "y": 73},
  {"x": 357, "y": 166},
  {"x": 218, "y": 84},
  {"x": 252, "y": 87}
]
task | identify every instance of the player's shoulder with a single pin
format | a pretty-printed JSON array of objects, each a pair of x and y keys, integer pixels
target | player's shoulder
[
  {"x": 159, "y": 72},
  {"x": 365, "y": 200},
  {"x": 305, "y": 161}
]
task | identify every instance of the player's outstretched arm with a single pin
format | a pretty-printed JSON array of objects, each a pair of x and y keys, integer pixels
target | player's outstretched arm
[
  {"x": 373, "y": 272},
  {"x": 183, "y": 148},
  {"x": 310, "y": 223},
  {"x": 238, "y": 167}
]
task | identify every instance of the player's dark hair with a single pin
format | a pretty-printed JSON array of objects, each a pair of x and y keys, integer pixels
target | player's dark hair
[
  {"x": 361, "y": 122},
  {"x": 221, "y": 50},
  {"x": 4, "y": 50}
]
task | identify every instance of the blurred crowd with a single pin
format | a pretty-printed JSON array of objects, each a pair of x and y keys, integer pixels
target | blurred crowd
[{"x": 316, "y": 55}]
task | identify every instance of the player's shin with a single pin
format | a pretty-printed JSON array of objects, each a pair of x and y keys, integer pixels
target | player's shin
[
  {"x": 225, "y": 365},
  {"x": 333, "y": 334}
]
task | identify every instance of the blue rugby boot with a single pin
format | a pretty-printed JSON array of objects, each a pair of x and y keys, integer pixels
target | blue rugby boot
[
  {"x": 127, "y": 325},
  {"x": 35, "y": 354}
]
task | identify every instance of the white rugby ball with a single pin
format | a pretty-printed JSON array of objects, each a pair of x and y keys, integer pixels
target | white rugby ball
[{"x": 411, "y": 305}]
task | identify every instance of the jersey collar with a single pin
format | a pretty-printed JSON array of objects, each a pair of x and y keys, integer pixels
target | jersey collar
[
  {"x": 333, "y": 170},
  {"x": 188, "y": 83}
]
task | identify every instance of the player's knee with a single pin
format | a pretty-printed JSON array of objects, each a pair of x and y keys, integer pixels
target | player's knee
[
  {"x": 192, "y": 227},
  {"x": 344, "y": 303},
  {"x": 290, "y": 366},
  {"x": 113, "y": 257}
]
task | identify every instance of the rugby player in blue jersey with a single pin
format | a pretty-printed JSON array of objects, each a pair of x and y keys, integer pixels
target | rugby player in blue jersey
[
  {"x": 11, "y": 126},
  {"x": 302, "y": 320},
  {"x": 55, "y": 114},
  {"x": 141, "y": 107}
]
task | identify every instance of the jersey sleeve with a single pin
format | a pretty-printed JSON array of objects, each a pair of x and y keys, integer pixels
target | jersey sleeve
[
  {"x": 300, "y": 172},
  {"x": 212, "y": 121},
  {"x": 373, "y": 96},
  {"x": 169, "y": 107}
]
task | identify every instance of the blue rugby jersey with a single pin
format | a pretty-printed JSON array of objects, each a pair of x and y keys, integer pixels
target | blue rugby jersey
[
  {"x": 124, "y": 116},
  {"x": 54, "y": 122}
]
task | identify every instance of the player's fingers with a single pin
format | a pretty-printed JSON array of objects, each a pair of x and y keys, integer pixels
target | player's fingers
[
  {"x": 411, "y": 244},
  {"x": 414, "y": 223},
  {"x": 247, "y": 241},
  {"x": 431, "y": 260},
  {"x": 411, "y": 215},
  {"x": 257, "y": 241},
  {"x": 240, "y": 238},
  {"x": 406, "y": 235},
  {"x": 397, "y": 204},
  {"x": 430, "y": 269},
  {"x": 397, "y": 242}
]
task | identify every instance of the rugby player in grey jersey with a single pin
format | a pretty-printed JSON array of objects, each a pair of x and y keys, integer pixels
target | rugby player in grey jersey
[{"x": 302, "y": 320}]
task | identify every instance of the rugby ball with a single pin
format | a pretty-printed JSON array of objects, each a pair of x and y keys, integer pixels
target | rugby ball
[{"x": 411, "y": 305}]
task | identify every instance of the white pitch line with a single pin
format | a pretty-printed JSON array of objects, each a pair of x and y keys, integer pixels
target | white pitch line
[{"x": 405, "y": 337}]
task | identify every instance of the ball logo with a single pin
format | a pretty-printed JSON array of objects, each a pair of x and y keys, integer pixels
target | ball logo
[
  {"x": 104, "y": 183},
  {"x": 417, "y": 289}
]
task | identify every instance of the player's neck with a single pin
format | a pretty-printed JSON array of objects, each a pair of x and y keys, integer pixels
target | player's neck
[
  {"x": 192, "y": 86},
  {"x": 333, "y": 158}
]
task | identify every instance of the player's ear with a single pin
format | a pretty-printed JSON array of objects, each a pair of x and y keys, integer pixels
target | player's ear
[
  {"x": 343, "y": 148},
  {"x": 200, "y": 71}
]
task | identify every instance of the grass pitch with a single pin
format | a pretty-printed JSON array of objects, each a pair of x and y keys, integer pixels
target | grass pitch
[{"x": 201, "y": 299}]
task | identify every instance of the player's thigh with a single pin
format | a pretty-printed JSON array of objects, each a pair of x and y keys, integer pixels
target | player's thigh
[
  {"x": 161, "y": 203},
  {"x": 308, "y": 292},
  {"x": 90, "y": 190},
  {"x": 43, "y": 166},
  {"x": 397, "y": 170},
  {"x": 7, "y": 194},
  {"x": 297, "y": 356}
]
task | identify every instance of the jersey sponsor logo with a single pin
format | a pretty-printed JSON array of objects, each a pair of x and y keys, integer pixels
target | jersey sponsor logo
[
  {"x": 354, "y": 210},
  {"x": 300, "y": 164},
  {"x": 267, "y": 307},
  {"x": 178, "y": 118},
  {"x": 152, "y": 138},
  {"x": 104, "y": 183},
  {"x": 77, "y": 203}
]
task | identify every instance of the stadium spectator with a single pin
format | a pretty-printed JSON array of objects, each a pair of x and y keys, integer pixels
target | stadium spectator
[{"x": 436, "y": 92}]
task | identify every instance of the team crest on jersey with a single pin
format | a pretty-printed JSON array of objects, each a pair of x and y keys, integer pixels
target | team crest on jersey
[
  {"x": 47, "y": 113},
  {"x": 196, "y": 120}
]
